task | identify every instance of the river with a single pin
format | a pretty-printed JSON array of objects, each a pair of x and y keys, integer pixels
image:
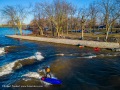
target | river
[{"x": 77, "y": 68}]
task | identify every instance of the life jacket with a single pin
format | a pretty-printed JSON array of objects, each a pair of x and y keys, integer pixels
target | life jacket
[{"x": 48, "y": 70}]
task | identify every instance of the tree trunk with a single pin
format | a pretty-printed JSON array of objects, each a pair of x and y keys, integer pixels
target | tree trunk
[
  {"x": 90, "y": 30},
  {"x": 57, "y": 29},
  {"x": 52, "y": 27},
  {"x": 53, "y": 31},
  {"x": 67, "y": 27},
  {"x": 67, "y": 30},
  {"x": 82, "y": 34},
  {"x": 20, "y": 30},
  {"x": 107, "y": 34},
  {"x": 58, "y": 34},
  {"x": 61, "y": 29},
  {"x": 108, "y": 30},
  {"x": 41, "y": 31},
  {"x": 19, "y": 25},
  {"x": 82, "y": 31}
]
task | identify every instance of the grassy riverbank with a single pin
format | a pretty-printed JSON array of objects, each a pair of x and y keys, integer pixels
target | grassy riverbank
[{"x": 96, "y": 36}]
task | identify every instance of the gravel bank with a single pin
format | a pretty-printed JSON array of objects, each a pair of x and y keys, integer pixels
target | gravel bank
[{"x": 69, "y": 41}]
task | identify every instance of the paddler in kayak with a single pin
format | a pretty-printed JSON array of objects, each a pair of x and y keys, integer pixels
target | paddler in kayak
[{"x": 47, "y": 71}]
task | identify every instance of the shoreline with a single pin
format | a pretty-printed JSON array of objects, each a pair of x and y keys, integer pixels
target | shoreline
[{"x": 86, "y": 43}]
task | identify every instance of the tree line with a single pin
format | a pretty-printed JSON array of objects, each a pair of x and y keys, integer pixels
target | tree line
[{"x": 61, "y": 16}]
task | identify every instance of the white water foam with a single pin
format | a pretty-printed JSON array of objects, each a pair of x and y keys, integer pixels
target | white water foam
[
  {"x": 7, "y": 46},
  {"x": 8, "y": 68},
  {"x": 2, "y": 51},
  {"x": 88, "y": 57},
  {"x": 109, "y": 55},
  {"x": 38, "y": 56},
  {"x": 93, "y": 56},
  {"x": 61, "y": 54},
  {"x": 33, "y": 75},
  {"x": 36, "y": 76},
  {"x": 31, "y": 57}
]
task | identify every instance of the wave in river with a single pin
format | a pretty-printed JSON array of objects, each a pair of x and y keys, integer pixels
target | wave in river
[
  {"x": 33, "y": 75},
  {"x": 6, "y": 69},
  {"x": 38, "y": 56},
  {"x": 88, "y": 56},
  {"x": 37, "y": 76},
  {"x": 2, "y": 50},
  {"x": 9, "y": 68}
]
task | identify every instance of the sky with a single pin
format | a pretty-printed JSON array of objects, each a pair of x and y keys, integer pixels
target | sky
[{"x": 78, "y": 3}]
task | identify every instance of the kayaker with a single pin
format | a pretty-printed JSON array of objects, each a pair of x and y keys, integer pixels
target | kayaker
[{"x": 47, "y": 71}]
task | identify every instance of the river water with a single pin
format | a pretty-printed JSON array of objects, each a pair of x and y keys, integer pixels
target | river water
[{"x": 77, "y": 68}]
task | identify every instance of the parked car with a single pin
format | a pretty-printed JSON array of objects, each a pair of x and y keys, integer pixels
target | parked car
[
  {"x": 98, "y": 33},
  {"x": 117, "y": 31}
]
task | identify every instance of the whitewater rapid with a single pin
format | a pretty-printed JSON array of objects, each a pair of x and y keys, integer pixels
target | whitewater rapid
[
  {"x": 8, "y": 68},
  {"x": 2, "y": 50}
]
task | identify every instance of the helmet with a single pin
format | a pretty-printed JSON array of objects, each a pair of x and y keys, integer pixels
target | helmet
[{"x": 48, "y": 66}]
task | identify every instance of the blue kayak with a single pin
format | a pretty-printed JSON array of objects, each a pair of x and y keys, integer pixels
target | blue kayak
[{"x": 51, "y": 80}]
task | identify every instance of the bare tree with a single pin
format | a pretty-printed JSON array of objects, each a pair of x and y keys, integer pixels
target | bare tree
[
  {"x": 93, "y": 11},
  {"x": 50, "y": 14},
  {"x": 39, "y": 16},
  {"x": 57, "y": 14},
  {"x": 73, "y": 11},
  {"x": 16, "y": 15},
  {"x": 22, "y": 13},
  {"x": 84, "y": 16},
  {"x": 111, "y": 12},
  {"x": 9, "y": 12}
]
